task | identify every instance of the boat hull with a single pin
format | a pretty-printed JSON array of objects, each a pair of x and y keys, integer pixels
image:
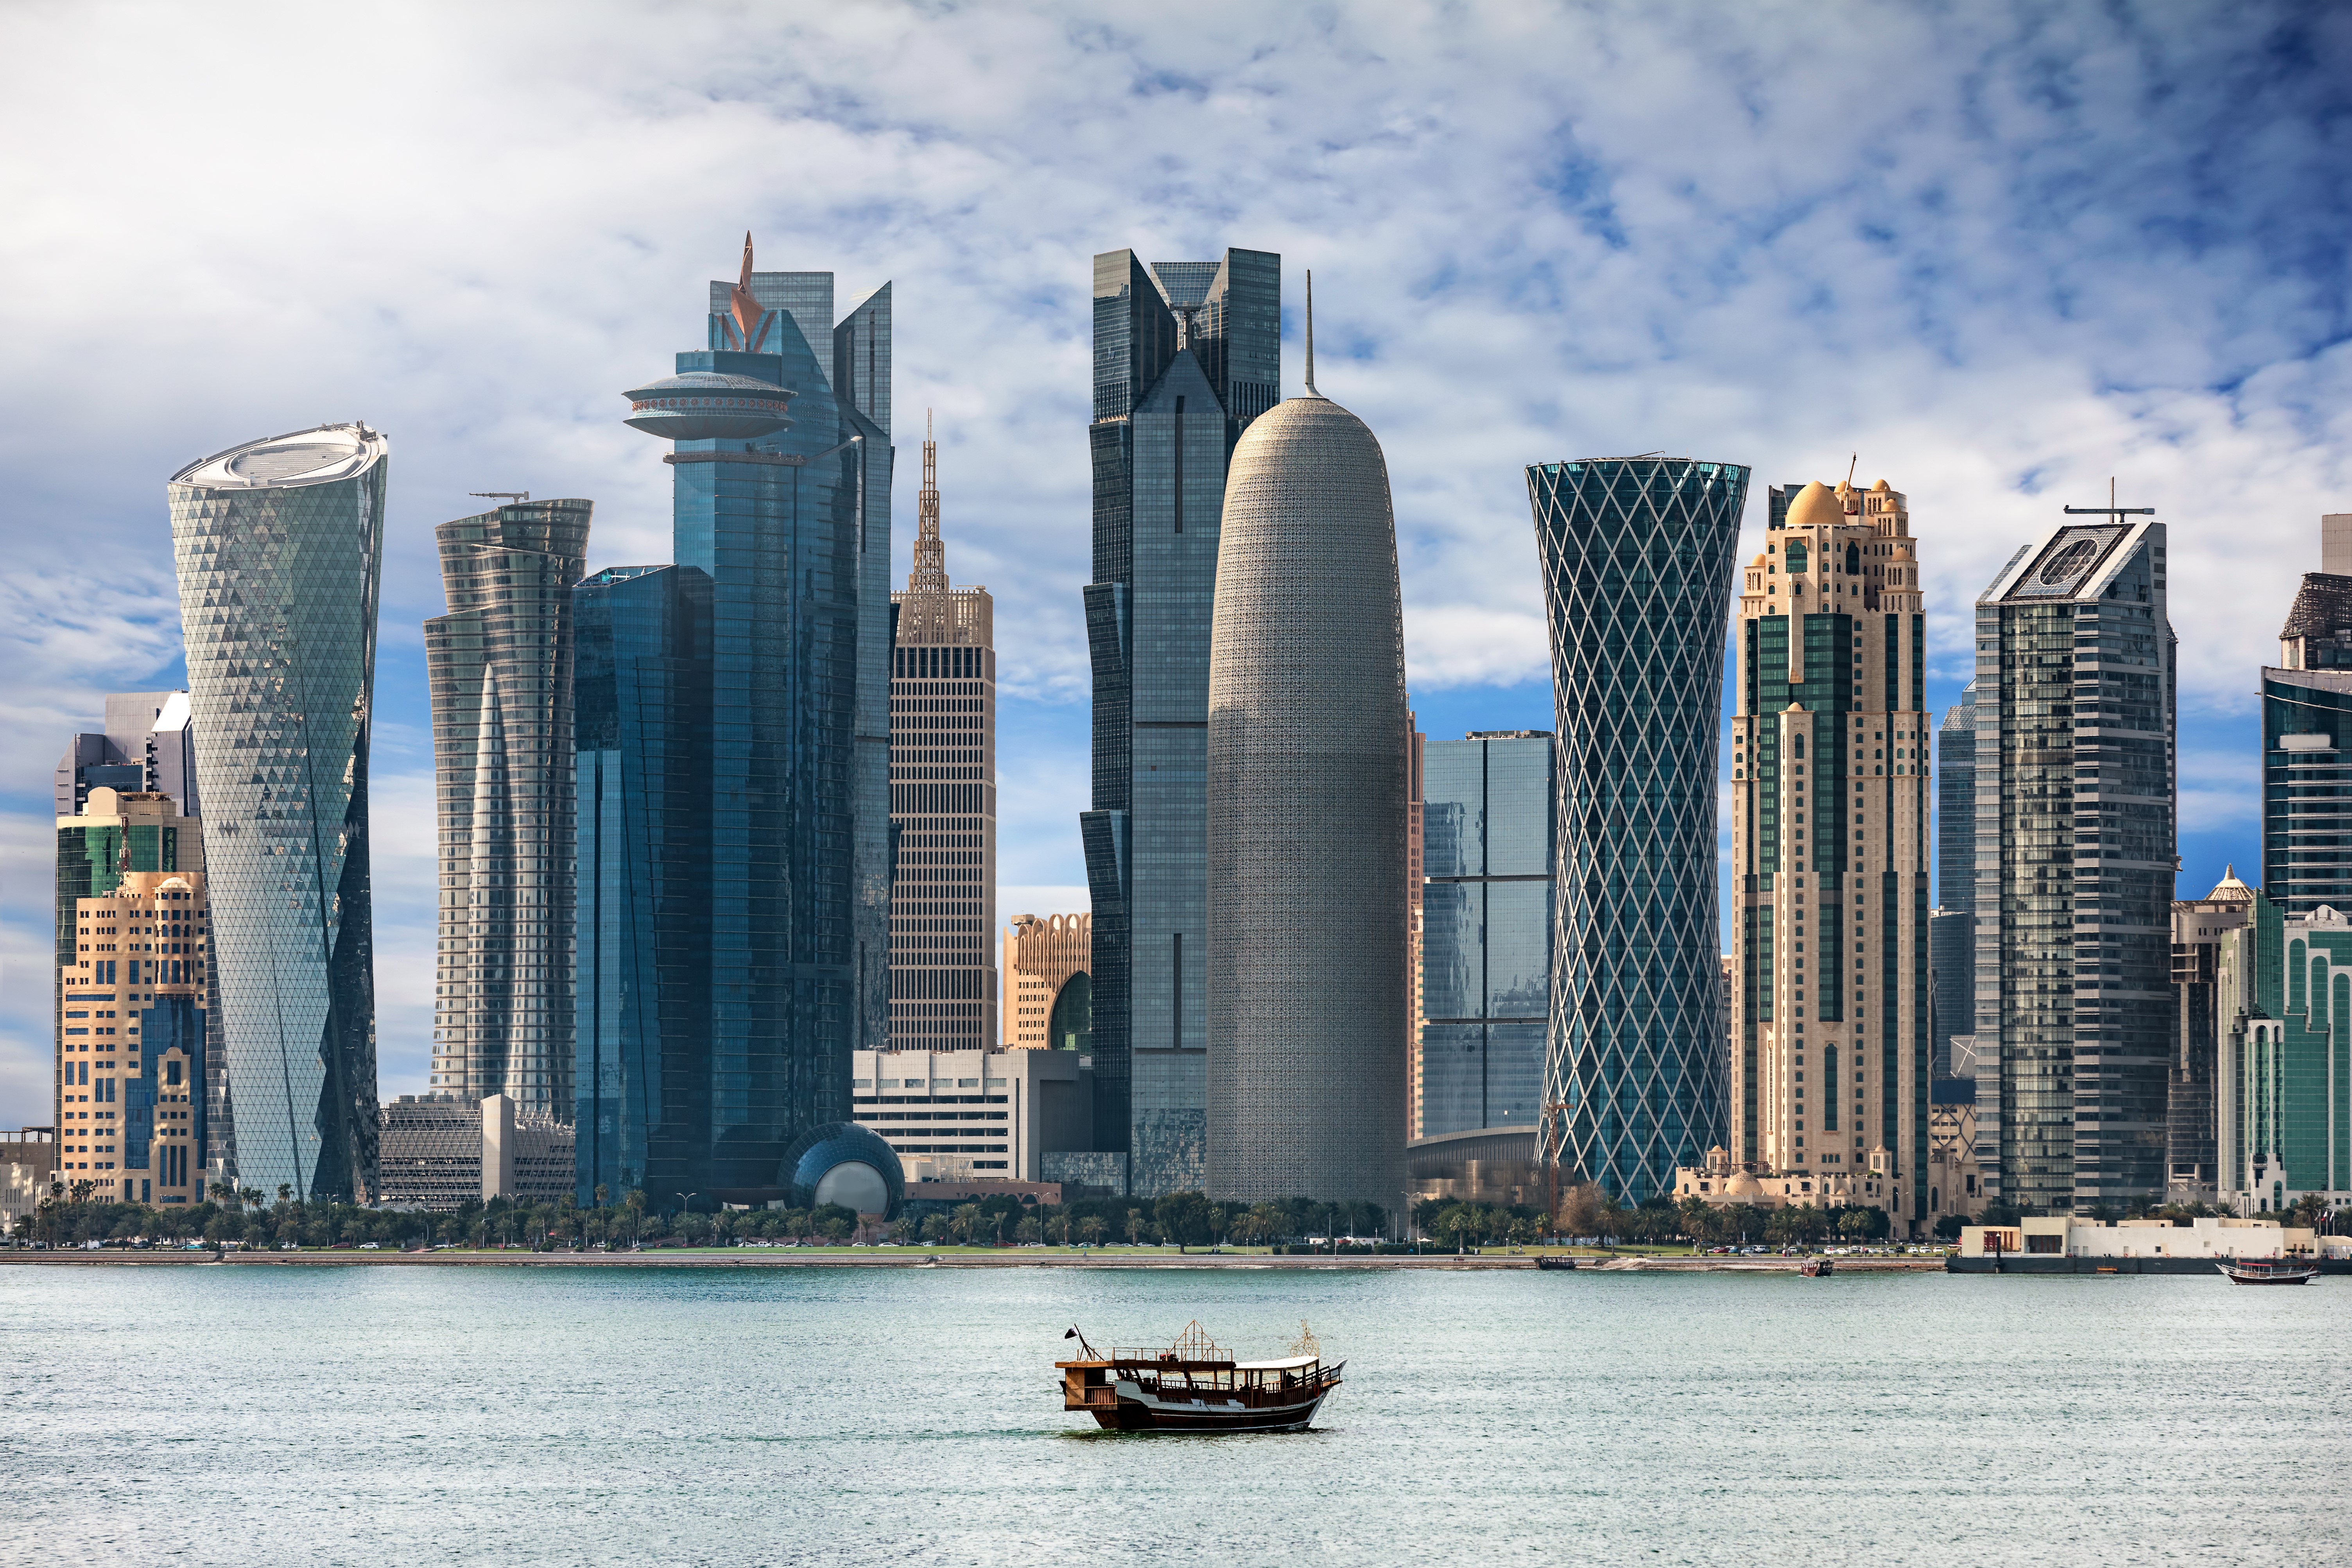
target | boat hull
[
  {"x": 1137, "y": 1409},
  {"x": 2271, "y": 1276}
]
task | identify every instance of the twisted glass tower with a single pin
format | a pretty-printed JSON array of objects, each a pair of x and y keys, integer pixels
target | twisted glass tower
[
  {"x": 279, "y": 545},
  {"x": 500, "y": 667},
  {"x": 1637, "y": 557}
]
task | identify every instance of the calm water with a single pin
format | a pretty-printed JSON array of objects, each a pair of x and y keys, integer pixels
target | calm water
[{"x": 372, "y": 1416}]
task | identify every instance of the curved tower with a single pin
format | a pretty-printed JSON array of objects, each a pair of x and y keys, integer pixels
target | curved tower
[
  {"x": 1307, "y": 738},
  {"x": 279, "y": 545},
  {"x": 1637, "y": 557}
]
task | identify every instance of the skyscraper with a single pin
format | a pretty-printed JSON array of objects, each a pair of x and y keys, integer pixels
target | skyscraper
[
  {"x": 133, "y": 1035},
  {"x": 1637, "y": 557},
  {"x": 1951, "y": 927},
  {"x": 1186, "y": 354},
  {"x": 147, "y": 745},
  {"x": 1487, "y": 827},
  {"x": 279, "y": 545},
  {"x": 501, "y": 668},
  {"x": 2306, "y": 730},
  {"x": 1049, "y": 984},
  {"x": 1309, "y": 747},
  {"x": 782, "y": 505},
  {"x": 942, "y": 800},
  {"x": 642, "y": 719},
  {"x": 1829, "y": 846},
  {"x": 2074, "y": 861},
  {"x": 2201, "y": 930}
]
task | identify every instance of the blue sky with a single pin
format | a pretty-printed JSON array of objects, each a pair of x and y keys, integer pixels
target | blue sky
[{"x": 2000, "y": 252}]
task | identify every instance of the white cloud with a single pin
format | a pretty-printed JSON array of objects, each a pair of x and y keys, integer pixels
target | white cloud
[{"x": 2002, "y": 252}]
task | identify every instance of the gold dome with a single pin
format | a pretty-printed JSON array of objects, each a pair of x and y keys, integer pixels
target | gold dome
[
  {"x": 1816, "y": 506},
  {"x": 1744, "y": 1185}
]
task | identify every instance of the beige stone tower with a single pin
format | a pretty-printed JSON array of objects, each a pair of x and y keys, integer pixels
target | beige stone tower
[
  {"x": 1049, "y": 962},
  {"x": 1829, "y": 769},
  {"x": 942, "y": 800}
]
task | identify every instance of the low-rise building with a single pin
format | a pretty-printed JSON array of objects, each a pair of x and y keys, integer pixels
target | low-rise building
[
  {"x": 1722, "y": 1182},
  {"x": 960, "y": 1115},
  {"x": 2198, "y": 1244},
  {"x": 29, "y": 1162},
  {"x": 438, "y": 1150}
]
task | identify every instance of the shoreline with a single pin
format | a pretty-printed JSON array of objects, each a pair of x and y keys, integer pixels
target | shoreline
[{"x": 732, "y": 1259}]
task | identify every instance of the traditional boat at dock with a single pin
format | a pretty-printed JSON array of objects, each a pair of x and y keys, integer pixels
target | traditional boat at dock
[
  {"x": 1196, "y": 1386},
  {"x": 2270, "y": 1271}
]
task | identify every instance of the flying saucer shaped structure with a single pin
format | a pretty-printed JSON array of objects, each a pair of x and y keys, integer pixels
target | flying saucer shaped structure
[{"x": 709, "y": 406}]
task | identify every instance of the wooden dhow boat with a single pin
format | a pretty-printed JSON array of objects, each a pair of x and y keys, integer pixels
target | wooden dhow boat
[
  {"x": 1196, "y": 1386},
  {"x": 2269, "y": 1270}
]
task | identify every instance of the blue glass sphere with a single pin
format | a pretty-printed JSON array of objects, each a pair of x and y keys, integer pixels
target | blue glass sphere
[{"x": 842, "y": 1163}]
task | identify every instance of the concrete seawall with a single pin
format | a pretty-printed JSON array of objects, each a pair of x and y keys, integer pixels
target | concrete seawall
[{"x": 818, "y": 1258}]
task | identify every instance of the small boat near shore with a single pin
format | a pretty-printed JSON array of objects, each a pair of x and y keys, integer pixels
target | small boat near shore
[
  {"x": 2269, "y": 1270},
  {"x": 1197, "y": 1386},
  {"x": 1817, "y": 1268},
  {"x": 1546, "y": 1260}
]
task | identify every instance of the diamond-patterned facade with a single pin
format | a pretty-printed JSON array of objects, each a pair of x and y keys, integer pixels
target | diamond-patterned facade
[
  {"x": 1637, "y": 557},
  {"x": 279, "y": 546}
]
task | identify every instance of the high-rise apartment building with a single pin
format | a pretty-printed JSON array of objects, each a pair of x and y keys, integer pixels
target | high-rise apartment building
[
  {"x": 280, "y": 547},
  {"x": 1049, "y": 984},
  {"x": 1414, "y": 878},
  {"x": 2075, "y": 862},
  {"x": 1952, "y": 926},
  {"x": 942, "y": 800},
  {"x": 781, "y": 509},
  {"x": 1637, "y": 557},
  {"x": 1186, "y": 356},
  {"x": 500, "y": 668},
  {"x": 2307, "y": 734},
  {"x": 1829, "y": 819},
  {"x": 148, "y": 745},
  {"x": 2281, "y": 1096},
  {"x": 1487, "y": 837},
  {"x": 133, "y": 992},
  {"x": 1309, "y": 746},
  {"x": 2200, "y": 926}
]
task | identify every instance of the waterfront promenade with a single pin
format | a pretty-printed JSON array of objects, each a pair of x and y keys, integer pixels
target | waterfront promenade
[{"x": 1008, "y": 1257}]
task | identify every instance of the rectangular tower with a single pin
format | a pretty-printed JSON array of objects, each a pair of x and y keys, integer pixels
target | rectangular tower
[
  {"x": 1830, "y": 845},
  {"x": 1488, "y": 840},
  {"x": 133, "y": 973},
  {"x": 2075, "y": 861},
  {"x": 2306, "y": 737},
  {"x": 500, "y": 668},
  {"x": 942, "y": 801},
  {"x": 1951, "y": 928},
  {"x": 1049, "y": 984},
  {"x": 2201, "y": 928},
  {"x": 1186, "y": 354}
]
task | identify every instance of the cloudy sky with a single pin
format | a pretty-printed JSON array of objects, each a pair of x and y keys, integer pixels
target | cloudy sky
[{"x": 2001, "y": 252}]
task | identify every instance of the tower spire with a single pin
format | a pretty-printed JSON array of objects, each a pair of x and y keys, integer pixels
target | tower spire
[
  {"x": 745, "y": 309},
  {"x": 930, "y": 573},
  {"x": 1310, "y": 333}
]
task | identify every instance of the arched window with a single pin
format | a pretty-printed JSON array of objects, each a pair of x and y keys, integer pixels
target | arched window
[
  {"x": 1853, "y": 561},
  {"x": 1796, "y": 556}
]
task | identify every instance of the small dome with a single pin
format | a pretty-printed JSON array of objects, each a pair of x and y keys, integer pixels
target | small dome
[
  {"x": 2229, "y": 889},
  {"x": 1758, "y": 561},
  {"x": 1881, "y": 488},
  {"x": 1744, "y": 1185},
  {"x": 1816, "y": 506}
]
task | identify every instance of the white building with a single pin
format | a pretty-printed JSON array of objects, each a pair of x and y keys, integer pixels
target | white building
[{"x": 958, "y": 1115}]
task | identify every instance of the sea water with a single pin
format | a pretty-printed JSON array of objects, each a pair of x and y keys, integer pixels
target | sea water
[{"x": 405, "y": 1415}]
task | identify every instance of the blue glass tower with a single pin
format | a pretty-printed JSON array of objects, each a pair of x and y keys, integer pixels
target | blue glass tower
[
  {"x": 781, "y": 503},
  {"x": 1637, "y": 557},
  {"x": 1486, "y": 917},
  {"x": 1186, "y": 356}
]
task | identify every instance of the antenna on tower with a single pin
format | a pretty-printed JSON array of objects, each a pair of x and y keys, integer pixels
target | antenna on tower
[
  {"x": 930, "y": 573},
  {"x": 1311, "y": 332},
  {"x": 499, "y": 495}
]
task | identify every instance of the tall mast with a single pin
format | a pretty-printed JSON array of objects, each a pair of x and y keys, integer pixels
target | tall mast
[{"x": 930, "y": 573}]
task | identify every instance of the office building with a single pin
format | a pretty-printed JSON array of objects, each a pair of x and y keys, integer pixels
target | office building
[
  {"x": 1309, "y": 747},
  {"x": 942, "y": 800},
  {"x": 279, "y": 548},
  {"x": 443, "y": 1150},
  {"x": 29, "y": 1163},
  {"x": 148, "y": 746},
  {"x": 952, "y": 1116},
  {"x": 1487, "y": 827},
  {"x": 780, "y": 506},
  {"x": 1414, "y": 878},
  {"x": 1049, "y": 984},
  {"x": 500, "y": 668},
  {"x": 2199, "y": 927},
  {"x": 1186, "y": 356},
  {"x": 2307, "y": 729},
  {"x": 1952, "y": 924},
  {"x": 1637, "y": 557},
  {"x": 642, "y": 753},
  {"x": 2282, "y": 1094},
  {"x": 1829, "y": 822},
  {"x": 134, "y": 1000},
  {"x": 2075, "y": 861}
]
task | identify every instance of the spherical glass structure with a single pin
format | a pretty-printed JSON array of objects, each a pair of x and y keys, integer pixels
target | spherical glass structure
[{"x": 842, "y": 1163}]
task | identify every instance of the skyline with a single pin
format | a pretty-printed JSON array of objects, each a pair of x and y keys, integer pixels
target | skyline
[{"x": 1962, "y": 285}]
